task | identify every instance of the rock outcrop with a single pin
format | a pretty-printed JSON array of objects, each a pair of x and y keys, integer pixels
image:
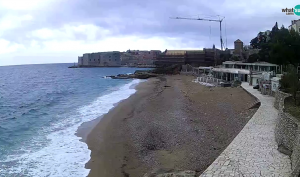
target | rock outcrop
[{"x": 145, "y": 74}]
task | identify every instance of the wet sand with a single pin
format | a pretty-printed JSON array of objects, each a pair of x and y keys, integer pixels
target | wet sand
[{"x": 169, "y": 123}]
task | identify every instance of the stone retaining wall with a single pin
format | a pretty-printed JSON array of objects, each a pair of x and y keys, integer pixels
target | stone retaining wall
[
  {"x": 279, "y": 95},
  {"x": 287, "y": 133}
]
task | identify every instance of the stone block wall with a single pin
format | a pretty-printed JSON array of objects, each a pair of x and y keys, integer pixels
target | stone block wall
[
  {"x": 279, "y": 96},
  {"x": 287, "y": 133},
  {"x": 295, "y": 157}
]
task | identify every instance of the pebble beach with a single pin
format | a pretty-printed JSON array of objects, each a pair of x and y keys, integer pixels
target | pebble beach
[{"x": 170, "y": 123}]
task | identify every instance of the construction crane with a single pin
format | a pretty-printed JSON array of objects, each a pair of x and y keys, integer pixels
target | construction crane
[{"x": 204, "y": 19}]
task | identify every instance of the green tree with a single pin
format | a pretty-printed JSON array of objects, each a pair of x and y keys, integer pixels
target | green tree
[
  {"x": 263, "y": 38},
  {"x": 236, "y": 58},
  {"x": 284, "y": 48},
  {"x": 225, "y": 56},
  {"x": 290, "y": 82},
  {"x": 280, "y": 47},
  {"x": 264, "y": 53},
  {"x": 254, "y": 43},
  {"x": 253, "y": 58},
  {"x": 274, "y": 31}
]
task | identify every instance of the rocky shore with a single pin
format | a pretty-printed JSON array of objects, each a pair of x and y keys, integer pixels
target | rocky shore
[
  {"x": 170, "y": 125},
  {"x": 146, "y": 74}
]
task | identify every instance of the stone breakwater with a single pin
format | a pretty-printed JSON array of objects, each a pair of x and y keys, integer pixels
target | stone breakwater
[{"x": 287, "y": 133}]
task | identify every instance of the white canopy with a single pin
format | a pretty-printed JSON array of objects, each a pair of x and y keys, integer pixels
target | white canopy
[
  {"x": 231, "y": 70},
  {"x": 201, "y": 67}
]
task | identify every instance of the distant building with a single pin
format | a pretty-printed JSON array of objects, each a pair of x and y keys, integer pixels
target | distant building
[
  {"x": 242, "y": 52},
  {"x": 145, "y": 57},
  {"x": 170, "y": 57},
  {"x": 139, "y": 57},
  {"x": 295, "y": 25},
  {"x": 100, "y": 59},
  {"x": 238, "y": 47},
  {"x": 155, "y": 54},
  {"x": 205, "y": 57},
  {"x": 129, "y": 59},
  {"x": 250, "y": 52}
]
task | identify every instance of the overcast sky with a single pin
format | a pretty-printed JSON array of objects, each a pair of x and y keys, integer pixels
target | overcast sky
[{"x": 58, "y": 31}]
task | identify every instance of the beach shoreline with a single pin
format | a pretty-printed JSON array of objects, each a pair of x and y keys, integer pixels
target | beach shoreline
[
  {"x": 86, "y": 127},
  {"x": 168, "y": 123}
]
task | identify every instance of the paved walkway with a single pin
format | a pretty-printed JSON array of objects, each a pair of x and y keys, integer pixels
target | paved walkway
[{"x": 253, "y": 152}]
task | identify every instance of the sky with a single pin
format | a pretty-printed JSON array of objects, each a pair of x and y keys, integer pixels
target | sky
[{"x": 58, "y": 31}]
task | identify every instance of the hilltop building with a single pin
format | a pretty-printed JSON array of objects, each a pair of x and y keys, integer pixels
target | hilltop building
[
  {"x": 295, "y": 25},
  {"x": 100, "y": 59},
  {"x": 238, "y": 47},
  {"x": 241, "y": 52}
]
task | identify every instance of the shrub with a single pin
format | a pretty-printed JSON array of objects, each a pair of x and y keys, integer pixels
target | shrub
[{"x": 290, "y": 82}]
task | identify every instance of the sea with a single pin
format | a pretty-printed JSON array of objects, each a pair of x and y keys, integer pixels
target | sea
[{"x": 41, "y": 108}]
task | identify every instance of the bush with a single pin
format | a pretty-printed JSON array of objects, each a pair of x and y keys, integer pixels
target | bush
[
  {"x": 284, "y": 83},
  {"x": 253, "y": 58},
  {"x": 290, "y": 82},
  {"x": 236, "y": 83}
]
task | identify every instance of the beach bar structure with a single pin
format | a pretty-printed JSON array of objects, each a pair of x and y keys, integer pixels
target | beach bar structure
[
  {"x": 231, "y": 74},
  {"x": 196, "y": 70},
  {"x": 245, "y": 72},
  {"x": 256, "y": 67},
  {"x": 204, "y": 70}
]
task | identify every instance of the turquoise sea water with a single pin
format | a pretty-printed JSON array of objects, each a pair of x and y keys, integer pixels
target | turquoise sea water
[{"x": 41, "y": 107}]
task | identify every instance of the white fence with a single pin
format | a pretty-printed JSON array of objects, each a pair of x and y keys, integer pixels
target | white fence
[{"x": 208, "y": 81}]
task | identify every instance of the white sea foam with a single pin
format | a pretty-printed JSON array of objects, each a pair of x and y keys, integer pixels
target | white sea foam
[{"x": 65, "y": 155}]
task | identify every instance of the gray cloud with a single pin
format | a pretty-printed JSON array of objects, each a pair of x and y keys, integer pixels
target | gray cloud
[{"x": 150, "y": 18}]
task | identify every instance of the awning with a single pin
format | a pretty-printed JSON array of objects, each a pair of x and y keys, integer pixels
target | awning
[{"x": 231, "y": 70}]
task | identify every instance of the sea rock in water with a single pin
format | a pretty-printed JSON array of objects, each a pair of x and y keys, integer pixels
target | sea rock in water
[
  {"x": 145, "y": 74},
  {"x": 136, "y": 76}
]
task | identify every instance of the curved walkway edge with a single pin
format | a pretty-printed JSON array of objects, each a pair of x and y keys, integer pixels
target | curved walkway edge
[{"x": 253, "y": 152}]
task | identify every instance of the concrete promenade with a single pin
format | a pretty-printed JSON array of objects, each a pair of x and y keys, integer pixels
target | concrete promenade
[{"x": 253, "y": 152}]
